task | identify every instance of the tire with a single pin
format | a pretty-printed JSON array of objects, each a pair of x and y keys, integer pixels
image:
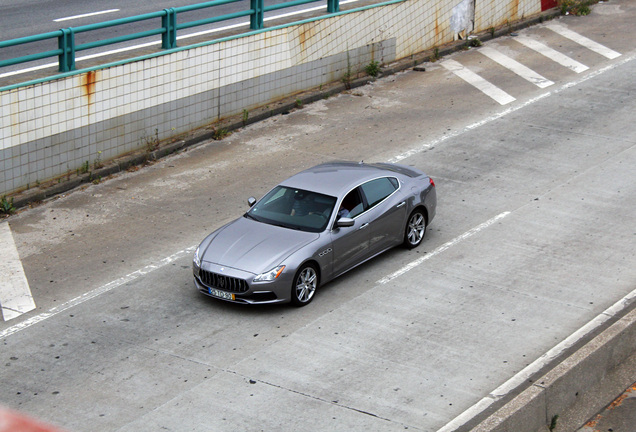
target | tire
[
  {"x": 304, "y": 286},
  {"x": 415, "y": 229}
]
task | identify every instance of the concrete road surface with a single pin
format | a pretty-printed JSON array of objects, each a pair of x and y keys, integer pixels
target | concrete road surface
[{"x": 535, "y": 237}]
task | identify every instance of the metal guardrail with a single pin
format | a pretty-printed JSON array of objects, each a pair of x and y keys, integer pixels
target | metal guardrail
[{"x": 168, "y": 30}]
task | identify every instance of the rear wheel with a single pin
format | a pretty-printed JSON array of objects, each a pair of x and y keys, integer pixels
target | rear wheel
[
  {"x": 415, "y": 229},
  {"x": 304, "y": 287}
]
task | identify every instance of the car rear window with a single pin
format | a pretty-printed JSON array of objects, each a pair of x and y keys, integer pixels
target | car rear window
[{"x": 378, "y": 189}]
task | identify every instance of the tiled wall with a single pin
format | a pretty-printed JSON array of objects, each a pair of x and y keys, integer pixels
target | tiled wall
[
  {"x": 494, "y": 13},
  {"x": 53, "y": 128}
]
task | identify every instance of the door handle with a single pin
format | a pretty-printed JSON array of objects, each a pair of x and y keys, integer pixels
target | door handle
[
  {"x": 364, "y": 225},
  {"x": 400, "y": 204}
]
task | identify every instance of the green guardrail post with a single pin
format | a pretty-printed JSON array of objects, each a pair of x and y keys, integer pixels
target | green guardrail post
[
  {"x": 256, "y": 19},
  {"x": 169, "y": 23},
  {"x": 66, "y": 42},
  {"x": 333, "y": 6}
]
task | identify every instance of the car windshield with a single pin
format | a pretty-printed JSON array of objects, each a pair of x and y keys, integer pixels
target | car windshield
[{"x": 294, "y": 208}]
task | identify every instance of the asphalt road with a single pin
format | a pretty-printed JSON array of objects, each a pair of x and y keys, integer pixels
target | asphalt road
[
  {"x": 534, "y": 238},
  {"x": 29, "y": 18}
]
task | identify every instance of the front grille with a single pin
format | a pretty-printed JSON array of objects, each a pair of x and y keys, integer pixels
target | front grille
[{"x": 223, "y": 282}]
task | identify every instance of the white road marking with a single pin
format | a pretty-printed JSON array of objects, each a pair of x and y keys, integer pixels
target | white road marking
[
  {"x": 586, "y": 42},
  {"x": 552, "y": 54},
  {"x": 442, "y": 248},
  {"x": 86, "y": 15},
  {"x": 516, "y": 67},
  {"x": 149, "y": 44},
  {"x": 478, "y": 82},
  {"x": 505, "y": 112},
  {"x": 94, "y": 293},
  {"x": 15, "y": 294}
]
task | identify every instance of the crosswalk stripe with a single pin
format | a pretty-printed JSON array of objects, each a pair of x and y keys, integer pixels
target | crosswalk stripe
[
  {"x": 552, "y": 54},
  {"x": 586, "y": 42},
  {"x": 15, "y": 294},
  {"x": 516, "y": 67},
  {"x": 475, "y": 80}
]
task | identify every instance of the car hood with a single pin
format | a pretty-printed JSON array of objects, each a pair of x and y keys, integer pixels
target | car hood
[{"x": 253, "y": 246}]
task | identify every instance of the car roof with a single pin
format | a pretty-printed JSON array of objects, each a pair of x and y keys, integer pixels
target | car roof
[{"x": 338, "y": 178}]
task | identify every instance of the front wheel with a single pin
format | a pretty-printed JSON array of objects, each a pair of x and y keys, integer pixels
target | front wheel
[
  {"x": 304, "y": 287},
  {"x": 415, "y": 229}
]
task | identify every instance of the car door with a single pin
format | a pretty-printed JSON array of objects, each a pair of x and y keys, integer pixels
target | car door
[
  {"x": 386, "y": 206},
  {"x": 350, "y": 244}
]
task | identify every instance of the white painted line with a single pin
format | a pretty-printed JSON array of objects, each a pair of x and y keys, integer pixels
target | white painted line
[
  {"x": 94, "y": 293},
  {"x": 586, "y": 42},
  {"x": 552, "y": 54},
  {"x": 516, "y": 67},
  {"x": 15, "y": 294},
  {"x": 149, "y": 44},
  {"x": 505, "y": 112},
  {"x": 442, "y": 248},
  {"x": 538, "y": 364},
  {"x": 86, "y": 15},
  {"x": 478, "y": 82}
]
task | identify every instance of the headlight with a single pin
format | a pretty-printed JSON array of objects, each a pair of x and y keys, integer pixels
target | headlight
[
  {"x": 197, "y": 259},
  {"x": 270, "y": 275}
]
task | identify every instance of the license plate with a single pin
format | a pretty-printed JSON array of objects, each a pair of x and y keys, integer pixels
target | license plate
[{"x": 221, "y": 294}]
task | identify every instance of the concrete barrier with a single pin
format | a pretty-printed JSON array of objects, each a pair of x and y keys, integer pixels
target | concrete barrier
[{"x": 577, "y": 388}]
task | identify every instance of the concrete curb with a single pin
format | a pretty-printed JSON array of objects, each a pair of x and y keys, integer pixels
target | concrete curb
[{"x": 577, "y": 388}]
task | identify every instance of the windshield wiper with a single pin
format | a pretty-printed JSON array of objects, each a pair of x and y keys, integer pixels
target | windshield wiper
[{"x": 247, "y": 215}]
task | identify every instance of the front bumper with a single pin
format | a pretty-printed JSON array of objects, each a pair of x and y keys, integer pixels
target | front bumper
[{"x": 236, "y": 286}]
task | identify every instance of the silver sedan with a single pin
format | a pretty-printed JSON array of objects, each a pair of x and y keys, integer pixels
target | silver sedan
[{"x": 313, "y": 227}]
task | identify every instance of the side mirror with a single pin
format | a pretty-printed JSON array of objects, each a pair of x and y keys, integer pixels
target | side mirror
[
  {"x": 251, "y": 201},
  {"x": 345, "y": 222}
]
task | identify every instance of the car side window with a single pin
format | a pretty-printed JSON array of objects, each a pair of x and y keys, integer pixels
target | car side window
[
  {"x": 378, "y": 189},
  {"x": 351, "y": 205}
]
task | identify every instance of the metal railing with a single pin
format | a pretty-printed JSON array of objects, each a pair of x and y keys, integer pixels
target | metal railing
[{"x": 168, "y": 30}]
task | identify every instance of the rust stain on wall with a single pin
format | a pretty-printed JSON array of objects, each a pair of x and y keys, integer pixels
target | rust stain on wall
[
  {"x": 306, "y": 33},
  {"x": 438, "y": 30},
  {"x": 88, "y": 86},
  {"x": 514, "y": 13}
]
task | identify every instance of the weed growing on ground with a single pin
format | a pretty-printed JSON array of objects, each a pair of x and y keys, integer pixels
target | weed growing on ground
[
  {"x": 299, "y": 103},
  {"x": 475, "y": 42},
  {"x": 219, "y": 134},
  {"x": 246, "y": 116},
  {"x": 435, "y": 56},
  {"x": 84, "y": 168},
  {"x": 6, "y": 206},
  {"x": 151, "y": 142},
  {"x": 576, "y": 7},
  {"x": 373, "y": 68},
  {"x": 97, "y": 163}
]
